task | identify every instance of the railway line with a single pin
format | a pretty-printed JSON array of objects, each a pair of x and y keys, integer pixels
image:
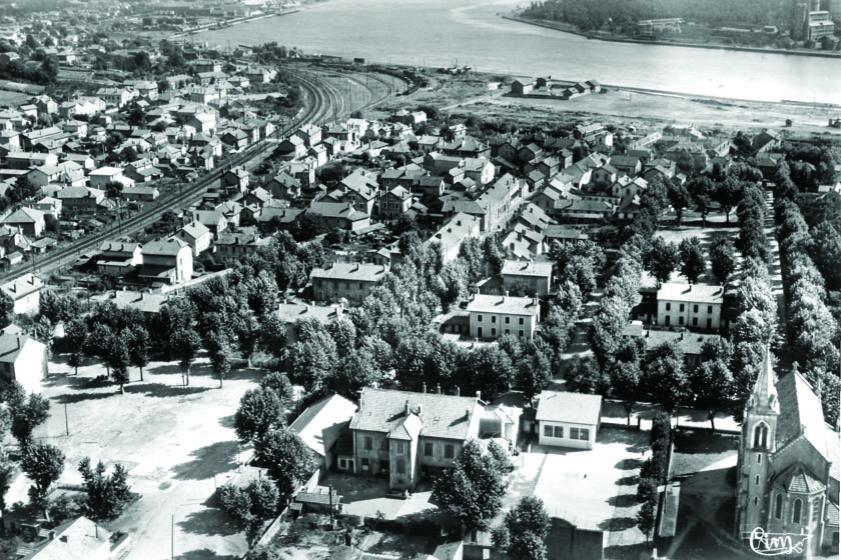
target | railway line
[{"x": 323, "y": 101}]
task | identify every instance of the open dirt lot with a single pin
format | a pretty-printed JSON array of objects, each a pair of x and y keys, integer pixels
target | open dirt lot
[{"x": 177, "y": 442}]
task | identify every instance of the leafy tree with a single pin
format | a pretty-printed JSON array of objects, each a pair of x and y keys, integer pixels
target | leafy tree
[
  {"x": 606, "y": 329},
  {"x": 282, "y": 387},
  {"x": 645, "y": 518},
  {"x": 702, "y": 190},
  {"x": 727, "y": 194},
  {"x": 528, "y": 525},
  {"x": 722, "y": 258},
  {"x": 260, "y": 410},
  {"x": 472, "y": 491},
  {"x": 75, "y": 336},
  {"x": 251, "y": 505},
  {"x": 661, "y": 259},
  {"x": 533, "y": 374},
  {"x": 43, "y": 465},
  {"x": 663, "y": 375},
  {"x": 679, "y": 198},
  {"x": 625, "y": 375},
  {"x": 489, "y": 370},
  {"x": 7, "y": 310},
  {"x": 713, "y": 386},
  {"x": 219, "y": 350},
  {"x": 107, "y": 495},
  {"x": 118, "y": 361},
  {"x": 98, "y": 343},
  {"x": 692, "y": 262},
  {"x": 286, "y": 457},
  {"x": 585, "y": 376},
  {"x": 185, "y": 344},
  {"x": 501, "y": 458},
  {"x": 26, "y": 413},
  {"x": 138, "y": 350},
  {"x": 830, "y": 391}
]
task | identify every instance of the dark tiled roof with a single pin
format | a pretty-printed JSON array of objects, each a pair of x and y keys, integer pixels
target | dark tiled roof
[{"x": 441, "y": 416}]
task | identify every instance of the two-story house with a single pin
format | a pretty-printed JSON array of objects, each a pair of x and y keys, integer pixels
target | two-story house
[
  {"x": 405, "y": 435},
  {"x": 695, "y": 306},
  {"x": 493, "y": 316},
  {"x": 535, "y": 276},
  {"x": 169, "y": 261},
  {"x": 352, "y": 281},
  {"x": 25, "y": 292}
]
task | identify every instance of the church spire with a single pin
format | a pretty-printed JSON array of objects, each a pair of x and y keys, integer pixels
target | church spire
[{"x": 763, "y": 398}]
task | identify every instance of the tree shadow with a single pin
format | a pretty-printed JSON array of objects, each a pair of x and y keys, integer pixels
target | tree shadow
[
  {"x": 205, "y": 554},
  {"x": 164, "y": 391},
  {"x": 618, "y": 524},
  {"x": 628, "y": 464},
  {"x": 623, "y": 500},
  {"x": 227, "y": 421},
  {"x": 166, "y": 369},
  {"x": 71, "y": 398},
  {"x": 211, "y": 522},
  {"x": 626, "y": 551},
  {"x": 209, "y": 461},
  {"x": 632, "y": 480},
  {"x": 68, "y": 380}
]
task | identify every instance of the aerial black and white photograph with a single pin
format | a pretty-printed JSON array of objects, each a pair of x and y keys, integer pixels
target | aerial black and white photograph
[{"x": 420, "y": 279}]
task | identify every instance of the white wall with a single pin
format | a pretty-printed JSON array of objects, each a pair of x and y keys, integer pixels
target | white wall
[{"x": 565, "y": 441}]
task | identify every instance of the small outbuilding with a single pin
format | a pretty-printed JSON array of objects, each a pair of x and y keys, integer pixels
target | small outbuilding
[{"x": 568, "y": 419}]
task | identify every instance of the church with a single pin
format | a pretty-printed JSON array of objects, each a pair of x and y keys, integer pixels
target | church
[{"x": 788, "y": 470}]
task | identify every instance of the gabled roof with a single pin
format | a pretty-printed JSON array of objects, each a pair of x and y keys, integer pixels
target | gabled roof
[
  {"x": 801, "y": 413},
  {"x": 440, "y": 416},
  {"x": 11, "y": 345},
  {"x": 692, "y": 293},
  {"x": 503, "y": 305},
  {"x": 542, "y": 269},
  {"x": 164, "y": 247},
  {"x": 24, "y": 216},
  {"x": 575, "y": 408},
  {"x": 360, "y": 272},
  {"x": 320, "y": 425}
]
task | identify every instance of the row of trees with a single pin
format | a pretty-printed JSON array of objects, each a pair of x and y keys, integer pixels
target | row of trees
[
  {"x": 812, "y": 330},
  {"x": 654, "y": 472}
]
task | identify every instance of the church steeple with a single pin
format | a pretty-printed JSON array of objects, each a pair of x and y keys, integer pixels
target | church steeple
[{"x": 763, "y": 399}]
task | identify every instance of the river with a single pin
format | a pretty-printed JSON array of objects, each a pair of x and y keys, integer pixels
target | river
[{"x": 470, "y": 32}]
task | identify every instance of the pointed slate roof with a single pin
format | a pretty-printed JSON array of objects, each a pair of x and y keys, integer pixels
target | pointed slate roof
[
  {"x": 797, "y": 479},
  {"x": 764, "y": 392}
]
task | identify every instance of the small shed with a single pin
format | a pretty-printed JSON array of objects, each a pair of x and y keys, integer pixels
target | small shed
[{"x": 568, "y": 419}]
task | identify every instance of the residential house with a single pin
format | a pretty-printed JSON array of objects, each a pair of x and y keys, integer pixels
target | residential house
[
  {"x": 534, "y": 276},
  {"x": 141, "y": 193},
  {"x": 118, "y": 258},
  {"x": 23, "y": 360},
  {"x": 30, "y": 221},
  {"x": 311, "y": 135},
  {"x": 99, "y": 178},
  {"x": 690, "y": 305},
  {"x": 196, "y": 235},
  {"x": 395, "y": 203},
  {"x": 351, "y": 281},
  {"x": 407, "y": 435},
  {"x": 169, "y": 261},
  {"x": 293, "y": 146},
  {"x": 341, "y": 215},
  {"x": 629, "y": 165},
  {"x": 214, "y": 220},
  {"x": 79, "y": 539},
  {"x": 321, "y": 425},
  {"x": 284, "y": 186},
  {"x": 51, "y": 207},
  {"x": 492, "y": 316},
  {"x": 28, "y": 160},
  {"x": 451, "y": 235},
  {"x": 25, "y": 292},
  {"x": 77, "y": 201},
  {"x": 235, "y": 180},
  {"x": 235, "y": 245},
  {"x": 568, "y": 419},
  {"x": 235, "y": 139}
]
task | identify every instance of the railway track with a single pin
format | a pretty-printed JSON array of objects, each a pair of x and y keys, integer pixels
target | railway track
[{"x": 323, "y": 101}]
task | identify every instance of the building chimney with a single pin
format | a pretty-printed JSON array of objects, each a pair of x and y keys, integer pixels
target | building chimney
[
  {"x": 423, "y": 387},
  {"x": 52, "y": 535},
  {"x": 406, "y": 407},
  {"x": 17, "y": 338},
  {"x": 479, "y": 395},
  {"x": 418, "y": 410},
  {"x": 467, "y": 412},
  {"x": 458, "y": 391}
]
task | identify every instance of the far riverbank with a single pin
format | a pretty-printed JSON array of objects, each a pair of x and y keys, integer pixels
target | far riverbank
[{"x": 567, "y": 28}]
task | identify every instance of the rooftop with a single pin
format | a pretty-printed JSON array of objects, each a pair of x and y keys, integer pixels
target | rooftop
[
  {"x": 576, "y": 408},
  {"x": 505, "y": 305},
  {"x": 541, "y": 269},
  {"x": 692, "y": 293},
  {"x": 360, "y": 272}
]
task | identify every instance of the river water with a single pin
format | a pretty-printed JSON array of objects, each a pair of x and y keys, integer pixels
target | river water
[{"x": 470, "y": 32}]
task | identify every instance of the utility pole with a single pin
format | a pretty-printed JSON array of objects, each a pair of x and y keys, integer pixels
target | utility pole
[
  {"x": 172, "y": 538},
  {"x": 66, "y": 421}
]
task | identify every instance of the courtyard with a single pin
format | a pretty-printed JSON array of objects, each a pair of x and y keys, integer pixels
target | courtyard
[{"x": 177, "y": 443}]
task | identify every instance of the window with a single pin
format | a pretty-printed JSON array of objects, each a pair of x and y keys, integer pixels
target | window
[
  {"x": 668, "y": 320},
  {"x": 369, "y": 443},
  {"x": 507, "y": 331},
  {"x": 507, "y": 320},
  {"x": 797, "y": 511},
  {"x": 479, "y": 332},
  {"x": 760, "y": 436},
  {"x": 401, "y": 466},
  {"x": 759, "y": 458},
  {"x": 449, "y": 451},
  {"x": 493, "y": 318},
  {"x": 522, "y": 321},
  {"x": 493, "y": 332},
  {"x": 384, "y": 445},
  {"x": 522, "y": 334},
  {"x": 360, "y": 285},
  {"x": 695, "y": 308},
  {"x": 709, "y": 323},
  {"x": 710, "y": 309},
  {"x": 681, "y": 308},
  {"x": 427, "y": 449},
  {"x": 559, "y": 431},
  {"x": 547, "y": 431},
  {"x": 778, "y": 506},
  {"x": 478, "y": 318},
  {"x": 694, "y": 321},
  {"x": 756, "y": 501},
  {"x": 668, "y": 306},
  {"x": 584, "y": 433},
  {"x": 680, "y": 319},
  {"x": 756, "y": 480},
  {"x": 573, "y": 433},
  {"x": 400, "y": 448},
  {"x": 365, "y": 463},
  {"x": 343, "y": 464}
]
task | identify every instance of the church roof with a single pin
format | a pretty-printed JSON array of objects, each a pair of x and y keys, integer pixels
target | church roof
[{"x": 797, "y": 479}]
